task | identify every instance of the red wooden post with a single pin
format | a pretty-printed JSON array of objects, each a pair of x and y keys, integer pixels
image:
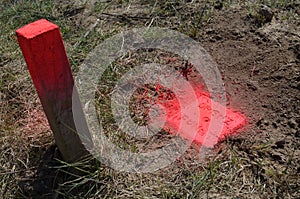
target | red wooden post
[{"x": 43, "y": 49}]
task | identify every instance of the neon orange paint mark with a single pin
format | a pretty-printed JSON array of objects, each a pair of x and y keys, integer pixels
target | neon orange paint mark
[{"x": 233, "y": 120}]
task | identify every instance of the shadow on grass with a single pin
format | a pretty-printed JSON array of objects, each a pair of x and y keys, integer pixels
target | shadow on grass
[
  {"x": 54, "y": 178},
  {"x": 44, "y": 183}
]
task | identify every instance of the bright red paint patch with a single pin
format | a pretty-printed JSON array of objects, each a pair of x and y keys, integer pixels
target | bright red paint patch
[{"x": 208, "y": 133}]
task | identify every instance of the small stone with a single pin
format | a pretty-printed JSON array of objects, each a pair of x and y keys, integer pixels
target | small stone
[
  {"x": 218, "y": 5},
  {"x": 292, "y": 123},
  {"x": 266, "y": 14},
  {"x": 280, "y": 144}
]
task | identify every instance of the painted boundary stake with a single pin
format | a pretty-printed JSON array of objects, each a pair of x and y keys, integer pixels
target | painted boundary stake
[{"x": 43, "y": 49}]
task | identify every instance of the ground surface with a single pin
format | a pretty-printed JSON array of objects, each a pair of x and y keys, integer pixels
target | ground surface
[{"x": 258, "y": 57}]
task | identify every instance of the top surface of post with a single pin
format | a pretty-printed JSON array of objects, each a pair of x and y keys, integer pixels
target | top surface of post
[{"x": 36, "y": 28}]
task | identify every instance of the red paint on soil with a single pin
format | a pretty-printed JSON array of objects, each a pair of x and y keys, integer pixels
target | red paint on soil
[{"x": 208, "y": 133}]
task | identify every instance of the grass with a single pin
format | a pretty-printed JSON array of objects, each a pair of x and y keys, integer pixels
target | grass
[{"x": 30, "y": 165}]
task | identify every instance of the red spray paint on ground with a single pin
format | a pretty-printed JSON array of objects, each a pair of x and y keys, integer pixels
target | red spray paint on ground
[{"x": 207, "y": 133}]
